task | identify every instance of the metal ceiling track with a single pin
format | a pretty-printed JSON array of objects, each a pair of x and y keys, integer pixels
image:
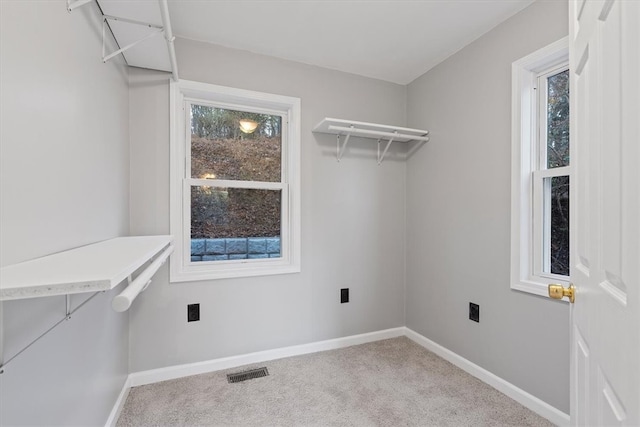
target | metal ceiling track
[{"x": 164, "y": 29}]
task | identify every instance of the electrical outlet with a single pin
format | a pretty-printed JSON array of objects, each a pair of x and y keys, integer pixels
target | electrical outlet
[
  {"x": 344, "y": 295},
  {"x": 193, "y": 312},
  {"x": 474, "y": 312}
]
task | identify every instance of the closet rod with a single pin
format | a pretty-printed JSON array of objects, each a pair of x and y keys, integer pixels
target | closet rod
[
  {"x": 123, "y": 301},
  {"x": 377, "y": 133}
]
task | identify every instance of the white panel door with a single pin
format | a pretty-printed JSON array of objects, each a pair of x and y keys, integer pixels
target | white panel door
[{"x": 605, "y": 216}]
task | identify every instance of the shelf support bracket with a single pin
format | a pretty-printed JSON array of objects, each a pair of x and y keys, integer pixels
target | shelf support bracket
[
  {"x": 67, "y": 311},
  {"x": 419, "y": 143},
  {"x": 340, "y": 150},
  {"x": 67, "y": 316},
  {"x": 105, "y": 18},
  {"x": 384, "y": 153},
  {"x": 130, "y": 281},
  {"x": 169, "y": 37},
  {"x": 72, "y": 5}
]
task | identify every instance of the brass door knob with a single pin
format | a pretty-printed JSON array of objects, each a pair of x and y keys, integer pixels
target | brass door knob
[{"x": 559, "y": 292}]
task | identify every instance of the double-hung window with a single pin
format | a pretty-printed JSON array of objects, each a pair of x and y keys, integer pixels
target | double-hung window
[
  {"x": 541, "y": 170},
  {"x": 235, "y": 193}
]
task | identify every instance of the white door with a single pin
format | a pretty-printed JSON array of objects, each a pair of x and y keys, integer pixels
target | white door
[{"x": 605, "y": 226}]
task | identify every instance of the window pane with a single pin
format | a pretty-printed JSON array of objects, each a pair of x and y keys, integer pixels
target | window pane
[
  {"x": 558, "y": 120},
  {"x": 557, "y": 245},
  {"x": 234, "y": 223},
  {"x": 235, "y": 145}
]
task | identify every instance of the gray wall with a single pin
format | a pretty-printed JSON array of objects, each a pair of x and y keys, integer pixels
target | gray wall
[
  {"x": 458, "y": 214},
  {"x": 64, "y": 177},
  {"x": 352, "y": 219},
  {"x": 65, "y": 123}
]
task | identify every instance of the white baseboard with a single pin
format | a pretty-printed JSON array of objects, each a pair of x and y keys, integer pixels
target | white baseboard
[
  {"x": 179, "y": 371},
  {"x": 117, "y": 407},
  {"x": 525, "y": 399},
  {"x": 172, "y": 372}
]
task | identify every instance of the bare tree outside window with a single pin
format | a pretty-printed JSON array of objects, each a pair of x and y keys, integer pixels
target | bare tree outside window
[
  {"x": 222, "y": 150},
  {"x": 558, "y": 156}
]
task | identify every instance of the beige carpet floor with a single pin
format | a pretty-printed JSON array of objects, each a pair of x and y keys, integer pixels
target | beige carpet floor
[{"x": 393, "y": 382}]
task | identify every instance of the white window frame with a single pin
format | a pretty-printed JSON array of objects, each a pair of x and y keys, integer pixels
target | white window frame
[
  {"x": 182, "y": 94},
  {"x": 527, "y": 174}
]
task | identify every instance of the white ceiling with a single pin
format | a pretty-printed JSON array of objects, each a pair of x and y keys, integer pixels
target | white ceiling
[{"x": 392, "y": 40}]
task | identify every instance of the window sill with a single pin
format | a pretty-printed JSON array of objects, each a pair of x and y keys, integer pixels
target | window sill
[
  {"x": 243, "y": 270},
  {"x": 537, "y": 287}
]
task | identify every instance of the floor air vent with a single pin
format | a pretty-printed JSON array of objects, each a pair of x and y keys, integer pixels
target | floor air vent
[{"x": 247, "y": 375}]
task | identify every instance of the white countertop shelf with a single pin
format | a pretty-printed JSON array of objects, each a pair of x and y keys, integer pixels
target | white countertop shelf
[
  {"x": 92, "y": 268},
  {"x": 348, "y": 128}
]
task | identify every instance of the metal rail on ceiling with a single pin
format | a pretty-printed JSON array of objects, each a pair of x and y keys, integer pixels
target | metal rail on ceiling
[{"x": 164, "y": 29}]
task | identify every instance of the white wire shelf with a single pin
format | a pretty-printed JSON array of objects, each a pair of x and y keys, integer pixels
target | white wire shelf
[
  {"x": 139, "y": 27},
  {"x": 387, "y": 133}
]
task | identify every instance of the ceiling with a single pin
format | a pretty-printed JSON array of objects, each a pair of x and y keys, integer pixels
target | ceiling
[{"x": 392, "y": 40}]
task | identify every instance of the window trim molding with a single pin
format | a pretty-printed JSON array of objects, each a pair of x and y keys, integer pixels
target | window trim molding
[
  {"x": 181, "y": 269},
  {"x": 524, "y": 158}
]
